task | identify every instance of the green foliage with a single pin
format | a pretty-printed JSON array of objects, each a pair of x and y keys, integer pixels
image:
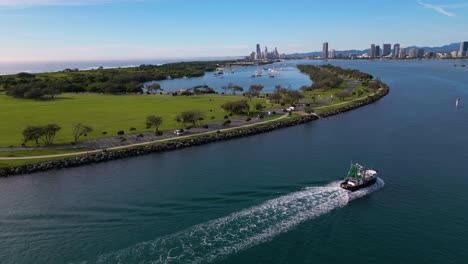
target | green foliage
[
  {"x": 190, "y": 117},
  {"x": 45, "y": 133},
  {"x": 111, "y": 81},
  {"x": 321, "y": 77},
  {"x": 350, "y": 73},
  {"x": 258, "y": 106},
  {"x": 154, "y": 122},
  {"x": 254, "y": 91},
  {"x": 80, "y": 130},
  {"x": 238, "y": 107}
]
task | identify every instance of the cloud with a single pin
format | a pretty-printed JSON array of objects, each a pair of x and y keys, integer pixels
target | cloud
[{"x": 440, "y": 8}]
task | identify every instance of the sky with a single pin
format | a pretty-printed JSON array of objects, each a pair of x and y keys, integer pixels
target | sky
[{"x": 81, "y": 30}]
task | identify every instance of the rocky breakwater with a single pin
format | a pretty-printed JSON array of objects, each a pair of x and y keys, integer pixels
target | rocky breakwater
[{"x": 138, "y": 151}]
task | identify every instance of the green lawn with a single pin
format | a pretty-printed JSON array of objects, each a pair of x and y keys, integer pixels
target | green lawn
[
  {"x": 105, "y": 113},
  {"x": 40, "y": 152}
]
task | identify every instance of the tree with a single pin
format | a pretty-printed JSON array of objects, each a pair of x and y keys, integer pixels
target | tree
[
  {"x": 154, "y": 122},
  {"x": 293, "y": 97},
  {"x": 153, "y": 88},
  {"x": 342, "y": 95},
  {"x": 275, "y": 97},
  {"x": 254, "y": 91},
  {"x": 258, "y": 106},
  {"x": 32, "y": 133},
  {"x": 80, "y": 130},
  {"x": 237, "y": 107},
  {"x": 228, "y": 87},
  {"x": 48, "y": 133},
  {"x": 236, "y": 89},
  {"x": 45, "y": 133},
  {"x": 190, "y": 117}
]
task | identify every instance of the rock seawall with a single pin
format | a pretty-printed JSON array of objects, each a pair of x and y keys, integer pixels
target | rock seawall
[{"x": 179, "y": 144}]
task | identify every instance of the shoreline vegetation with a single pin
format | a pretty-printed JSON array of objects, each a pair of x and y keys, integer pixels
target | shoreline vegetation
[{"x": 334, "y": 90}]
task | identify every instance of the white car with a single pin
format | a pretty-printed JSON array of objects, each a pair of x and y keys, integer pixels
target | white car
[{"x": 179, "y": 132}]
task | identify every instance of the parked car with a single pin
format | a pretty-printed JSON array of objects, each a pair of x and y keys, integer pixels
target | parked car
[{"x": 179, "y": 132}]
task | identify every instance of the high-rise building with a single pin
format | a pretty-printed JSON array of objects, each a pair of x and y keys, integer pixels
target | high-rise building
[
  {"x": 396, "y": 50},
  {"x": 402, "y": 53},
  {"x": 259, "y": 52},
  {"x": 325, "y": 50},
  {"x": 420, "y": 53},
  {"x": 412, "y": 53},
  {"x": 372, "y": 51},
  {"x": 387, "y": 49},
  {"x": 332, "y": 54},
  {"x": 463, "y": 49},
  {"x": 377, "y": 51}
]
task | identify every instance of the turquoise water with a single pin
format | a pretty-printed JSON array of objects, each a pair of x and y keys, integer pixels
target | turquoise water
[
  {"x": 288, "y": 76},
  {"x": 271, "y": 198}
]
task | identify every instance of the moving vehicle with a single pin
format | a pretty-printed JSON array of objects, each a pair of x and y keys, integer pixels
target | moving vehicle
[{"x": 359, "y": 177}]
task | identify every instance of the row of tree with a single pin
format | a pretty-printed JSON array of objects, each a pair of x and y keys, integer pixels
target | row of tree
[
  {"x": 322, "y": 77},
  {"x": 110, "y": 81},
  {"x": 283, "y": 95},
  {"x": 46, "y": 133},
  {"x": 350, "y": 73}
]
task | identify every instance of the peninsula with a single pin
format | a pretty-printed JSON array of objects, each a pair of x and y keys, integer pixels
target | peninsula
[{"x": 72, "y": 118}]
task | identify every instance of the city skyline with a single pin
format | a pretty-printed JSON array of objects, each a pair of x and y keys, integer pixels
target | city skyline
[{"x": 58, "y": 30}]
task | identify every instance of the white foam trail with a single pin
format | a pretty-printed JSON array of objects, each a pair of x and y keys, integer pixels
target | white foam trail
[{"x": 224, "y": 236}]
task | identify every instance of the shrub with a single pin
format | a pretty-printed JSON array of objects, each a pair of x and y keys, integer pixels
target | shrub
[
  {"x": 226, "y": 117},
  {"x": 228, "y": 121},
  {"x": 248, "y": 119},
  {"x": 205, "y": 126},
  {"x": 261, "y": 117},
  {"x": 132, "y": 129},
  {"x": 213, "y": 117},
  {"x": 120, "y": 133},
  {"x": 104, "y": 133}
]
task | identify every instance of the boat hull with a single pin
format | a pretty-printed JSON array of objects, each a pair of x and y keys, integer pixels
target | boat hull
[{"x": 351, "y": 188}]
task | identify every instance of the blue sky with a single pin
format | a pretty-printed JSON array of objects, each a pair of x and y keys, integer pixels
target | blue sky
[{"x": 55, "y": 30}]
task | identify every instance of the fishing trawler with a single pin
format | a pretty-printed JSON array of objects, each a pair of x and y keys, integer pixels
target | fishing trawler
[{"x": 359, "y": 177}]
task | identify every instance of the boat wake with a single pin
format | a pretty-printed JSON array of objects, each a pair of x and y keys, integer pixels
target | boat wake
[{"x": 218, "y": 238}]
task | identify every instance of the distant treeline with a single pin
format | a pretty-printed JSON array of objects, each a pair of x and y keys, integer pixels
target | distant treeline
[
  {"x": 328, "y": 76},
  {"x": 109, "y": 81}
]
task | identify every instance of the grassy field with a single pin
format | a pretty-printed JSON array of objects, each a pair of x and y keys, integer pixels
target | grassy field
[
  {"x": 105, "y": 113},
  {"x": 26, "y": 153}
]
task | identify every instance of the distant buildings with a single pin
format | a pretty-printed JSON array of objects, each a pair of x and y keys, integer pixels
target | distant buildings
[
  {"x": 420, "y": 53},
  {"x": 396, "y": 50},
  {"x": 413, "y": 53},
  {"x": 265, "y": 55},
  {"x": 372, "y": 51},
  {"x": 325, "y": 50},
  {"x": 377, "y": 51},
  {"x": 332, "y": 54},
  {"x": 463, "y": 49},
  {"x": 259, "y": 53},
  {"x": 402, "y": 53},
  {"x": 387, "y": 49}
]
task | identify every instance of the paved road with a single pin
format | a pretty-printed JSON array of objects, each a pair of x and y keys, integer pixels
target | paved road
[
  {"x": 160, "y": 140},
  {"x": 64, "y": 155}
]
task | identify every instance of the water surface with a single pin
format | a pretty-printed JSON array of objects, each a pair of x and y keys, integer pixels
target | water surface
[{"x": 269, "y": 198}]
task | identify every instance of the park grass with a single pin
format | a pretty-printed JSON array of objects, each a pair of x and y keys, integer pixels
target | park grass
[
  {"x": 105, "y": 113},
  {"x": 38, "y": 152}
]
